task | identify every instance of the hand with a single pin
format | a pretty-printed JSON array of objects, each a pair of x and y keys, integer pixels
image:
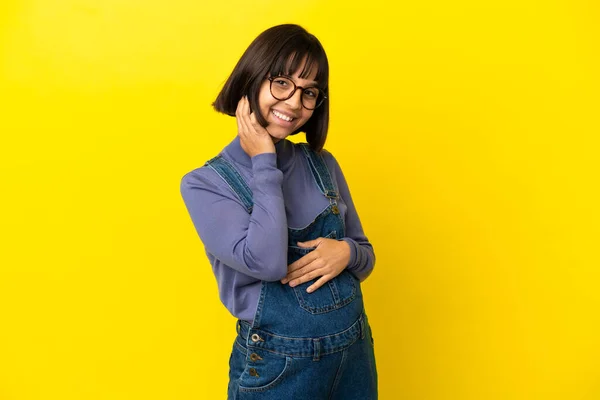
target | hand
[
  {"x": 327, "y": 260},
  {"x": 254, "y": 138}
]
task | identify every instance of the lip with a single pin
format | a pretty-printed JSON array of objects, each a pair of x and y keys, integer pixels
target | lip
[
  {"x": 286, "y": 114},
  {"x": 282, "y": 122}
]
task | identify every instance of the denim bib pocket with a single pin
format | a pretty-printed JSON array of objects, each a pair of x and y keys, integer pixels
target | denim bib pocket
[
  {"x": 334, "y": 294},
  {"x": 302, "y": 251}
]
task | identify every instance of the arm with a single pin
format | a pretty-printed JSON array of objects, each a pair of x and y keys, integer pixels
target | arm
[
  {"x": 330, "y": 257},
  {"x": 254, "y": 244},
  {"x": 362, "y": 256}
]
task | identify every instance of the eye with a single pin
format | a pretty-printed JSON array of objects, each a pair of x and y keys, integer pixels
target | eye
[
  {"x": 280, "y": 82},
  {"x": 311, "y": 92}
]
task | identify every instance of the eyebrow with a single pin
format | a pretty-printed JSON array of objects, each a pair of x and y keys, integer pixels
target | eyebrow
[{"x": 310, "y": 84}]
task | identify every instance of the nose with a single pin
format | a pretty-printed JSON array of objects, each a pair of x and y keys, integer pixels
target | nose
[{"x": 295, "y": 102}]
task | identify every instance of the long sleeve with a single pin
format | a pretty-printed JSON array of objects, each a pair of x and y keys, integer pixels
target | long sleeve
[
  {"x": 253, "y": 244},
  {"x": 362, "y": 256}
]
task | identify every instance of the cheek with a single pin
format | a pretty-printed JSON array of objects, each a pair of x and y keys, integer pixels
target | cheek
[
  {"x": 265, "y": 100},
  {"x": 265, "y": 103},
  {"x": 306, "y": 115}
]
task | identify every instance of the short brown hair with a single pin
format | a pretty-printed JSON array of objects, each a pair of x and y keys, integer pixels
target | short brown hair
[{"x": 279, "y": 50}]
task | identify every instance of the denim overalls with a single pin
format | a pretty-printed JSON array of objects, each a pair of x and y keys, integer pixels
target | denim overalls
[{"x": 300, "y": 345}]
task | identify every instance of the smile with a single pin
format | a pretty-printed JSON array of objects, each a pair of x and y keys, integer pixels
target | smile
[{"x": 282, "y": 116}]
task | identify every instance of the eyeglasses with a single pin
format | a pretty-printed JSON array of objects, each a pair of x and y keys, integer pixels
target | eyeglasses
[{"x": 283, "y": 88}]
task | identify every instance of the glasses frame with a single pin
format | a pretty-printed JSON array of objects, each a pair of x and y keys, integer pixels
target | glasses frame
[{"x": 296, "y": 87}]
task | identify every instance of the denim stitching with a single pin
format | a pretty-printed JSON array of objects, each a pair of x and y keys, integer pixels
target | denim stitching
[
  {"x": 241, "y": 348},
  {"x": 228, "y": 184},
  {"x": 313, "y": 171},
  {"x": 327, "y": 308},
  {"x": 309, "y": 353},
  {"x": 335, "y": 292},
  {"x": 246, "y": 189},
  {"x": 261, "y": 300},
  {"x": 316, "y": 349},
  {"x": 355, "y": 326},
  {"x": 311, "y": 222},
  {"x": 322, "y": 172},
  {"x": 332, "y": 192},
  {"x": 354, "y": 331},
  {"x": 337, "y": 375},
  {"x": 236, "y": 183},
  {"x": 288, "y": 362}
]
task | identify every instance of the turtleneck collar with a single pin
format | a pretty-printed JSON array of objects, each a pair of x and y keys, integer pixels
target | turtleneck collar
[{"x": 284, "y": 149}]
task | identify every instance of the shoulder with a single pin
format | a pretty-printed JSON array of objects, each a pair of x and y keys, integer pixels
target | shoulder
[
  {"x": 202, "y": 178},
  {"x": 198, "y": 177},
  {"x": 332, "y": 166},
  {"x": 330, "y": 161},
  {"x": 327, "y": 156}
]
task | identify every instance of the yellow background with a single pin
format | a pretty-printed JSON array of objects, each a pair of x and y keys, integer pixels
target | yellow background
[{"x": 468, "y": 132}]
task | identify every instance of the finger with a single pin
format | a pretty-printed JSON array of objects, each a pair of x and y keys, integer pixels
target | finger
[
  {"x": 242, "y": 117},
  {"x": 311, "y": 243},
  {"x": 255, "y": 124},
  {"x": 295, "y": 270},
  {"x": 238, "y": 115},
  {"x": 247, "y": 110},
  {"x": 238, "y": 109},
  {"x": 250, "y": 118},
  {"x": 257, "y": 128},
  {"x": 292, "y": 275},
  {"x": 241, "y": 107},
  {"x": 315, "y": 265},
  {"x": 246, "y": 107},
  {"x": 245, "y": 117},
  {"x": 307, "y": 277},
  {"x": 320, "y": 282},
  {"x": 307, "y": 259}
]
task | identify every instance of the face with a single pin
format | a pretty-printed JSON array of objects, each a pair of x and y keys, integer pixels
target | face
[{"x": 278, "y": 112}]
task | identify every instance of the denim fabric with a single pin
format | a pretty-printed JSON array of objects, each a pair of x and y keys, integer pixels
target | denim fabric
[
  {"x": 304, "y": 345},
  {"x": 233, "y": 179}
]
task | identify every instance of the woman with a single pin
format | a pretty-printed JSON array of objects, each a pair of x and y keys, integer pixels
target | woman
[{"x": 281, "y": 232}]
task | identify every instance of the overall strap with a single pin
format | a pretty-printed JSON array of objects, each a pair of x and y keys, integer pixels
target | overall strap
[
  {"x": 233, "y": 179},
  {"x": 319, "y": 171}
]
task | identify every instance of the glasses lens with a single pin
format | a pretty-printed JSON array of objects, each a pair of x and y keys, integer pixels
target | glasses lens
[
  {"x": 311, "y": 98},
  {"x": 282, "y": 88}
]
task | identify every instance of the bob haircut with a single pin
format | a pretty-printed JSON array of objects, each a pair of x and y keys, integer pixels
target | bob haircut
[{"x": 279, "y": 50}]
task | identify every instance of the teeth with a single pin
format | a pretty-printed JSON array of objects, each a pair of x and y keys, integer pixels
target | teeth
[{"x": 283, "y": 117}]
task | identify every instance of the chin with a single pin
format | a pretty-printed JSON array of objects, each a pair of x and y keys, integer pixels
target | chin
[{"x": 278, "y": 134}]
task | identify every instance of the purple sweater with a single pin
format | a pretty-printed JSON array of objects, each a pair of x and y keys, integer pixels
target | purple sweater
[{"x": 243, "y": 248}]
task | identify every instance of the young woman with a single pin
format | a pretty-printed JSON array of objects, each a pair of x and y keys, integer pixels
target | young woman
[{"x": 282, "y": 234}]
